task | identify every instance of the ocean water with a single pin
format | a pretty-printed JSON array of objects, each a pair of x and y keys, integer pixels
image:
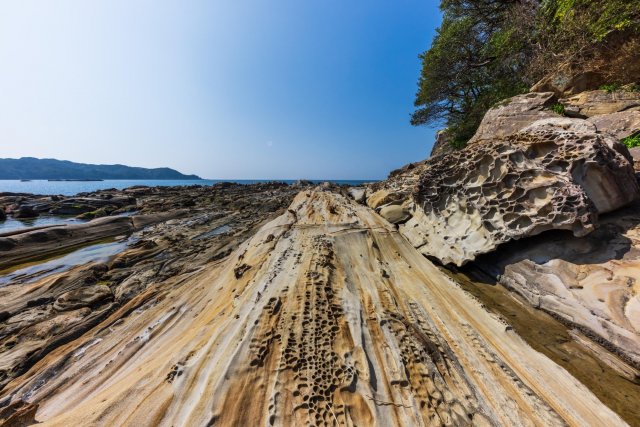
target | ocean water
[
  {"x": 69, "y": 188},
  {"x": 97, "y": 252},
  {"x": 12, "y": 224}
]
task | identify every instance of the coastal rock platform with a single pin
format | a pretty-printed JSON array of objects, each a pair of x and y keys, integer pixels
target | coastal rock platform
[{"x": 326, "y": 315}]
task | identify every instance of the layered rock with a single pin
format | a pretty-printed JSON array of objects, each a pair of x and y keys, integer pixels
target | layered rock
[
  {"x": 549, "y": 176},
  {"x": 514, "y": 114},
  {"x": 326, "y": 316},
  {"x": 619, "y": 125},
  {"x": 592, "y": 282},
  {"x": 598, "y": 102},
  {"x": 44, "y": 305}
]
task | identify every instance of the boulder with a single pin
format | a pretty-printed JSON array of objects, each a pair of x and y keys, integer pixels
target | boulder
[
  {"x": 25, "y": 211},
  {"x": 597, "y": 102},
  {"x": 359, "y": 194},
  {"x": 383, "y": 197},
  {"x": 565, "y": 82},
  {"x": 514, "y": 114},
  {"x": 562, "y": 124},
  {"x": 442, "y": 144},
  {"x": 619, "y": 125},
  {"x": 545, "y": 178},
  {"x": 635, "y": 155},
  {"x": 86, "y": 296},
  {"x": 395, "y": 214},
  {"x": 589, "y": 281},
  {"x": 3, "y": 215}
]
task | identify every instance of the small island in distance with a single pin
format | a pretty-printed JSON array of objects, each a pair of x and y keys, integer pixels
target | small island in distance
[{"x": 27, "y": 168}]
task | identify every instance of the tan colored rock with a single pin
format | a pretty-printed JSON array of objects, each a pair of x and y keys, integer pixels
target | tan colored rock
[
  {"x": 597, "y": 102},
  {"x": 382, "y": 197},
  {"x": 566, "y": 82},
  {"x": 442, "y": 144},
  {"x": 563, "y": 124},
  {"x": 339, "y": 321},
  {"x": 395, "y": 214},
  {"x": 359, "y": 194},
  {"x": 619, "y": 125},
  {"x": 470, "y": 201},
  {"x": 514, "y": 114},
  {"x": 592, "y": 282},
  {"x": 85, "y": 296},
  {"x": 635, "y": 154}
]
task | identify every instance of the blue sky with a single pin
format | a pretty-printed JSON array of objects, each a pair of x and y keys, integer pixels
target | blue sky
[{"x": 259, "y": 89}]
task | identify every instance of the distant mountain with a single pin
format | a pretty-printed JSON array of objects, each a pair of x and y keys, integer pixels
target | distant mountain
[{"x": 32, "y": 168}]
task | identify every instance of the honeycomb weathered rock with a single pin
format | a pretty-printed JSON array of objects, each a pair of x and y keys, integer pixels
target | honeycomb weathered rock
[{"x": 543, "y": 178}]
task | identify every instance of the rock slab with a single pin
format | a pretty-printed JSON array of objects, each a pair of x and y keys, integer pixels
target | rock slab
[{"x": 543, "y": 178}]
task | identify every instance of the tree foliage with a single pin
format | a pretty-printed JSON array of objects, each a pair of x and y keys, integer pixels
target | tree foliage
[{"x": 488, "y": 50}]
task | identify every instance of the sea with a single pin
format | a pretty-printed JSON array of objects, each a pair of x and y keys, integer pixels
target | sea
[{"x": 70, "y": 188}]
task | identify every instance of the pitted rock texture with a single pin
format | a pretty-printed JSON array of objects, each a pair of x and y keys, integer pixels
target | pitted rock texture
[
  {"x": 513, "y": 114},
  {"x": 336, "y": 321},
  {"x": 470, "y": 201}
]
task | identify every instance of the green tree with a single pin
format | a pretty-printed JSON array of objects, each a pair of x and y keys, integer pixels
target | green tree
[
  {"x": 489, "y": 50},
  {"x": 475, "y": 60}
]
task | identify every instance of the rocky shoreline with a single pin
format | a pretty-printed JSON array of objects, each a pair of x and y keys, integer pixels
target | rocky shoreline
[
  {"x": 324, "y": 314},
  {"x": 494, "y": 285}
]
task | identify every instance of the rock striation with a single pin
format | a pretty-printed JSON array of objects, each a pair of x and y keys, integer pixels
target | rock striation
[
  {"x": 591, "y": 282},
  {"x": 325, "y": 316},
  {"x": 514, "y": 114},
  {"x": 542, "y": 178},
  {"x": 599, "y": 102}
]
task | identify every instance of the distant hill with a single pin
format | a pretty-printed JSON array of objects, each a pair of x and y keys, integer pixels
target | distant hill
[{"x": 32, "y": 168}]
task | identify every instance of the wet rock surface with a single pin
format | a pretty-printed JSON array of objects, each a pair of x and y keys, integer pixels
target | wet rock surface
[
  {"x": 43, "y": 312},
  {"x": 325, "y": 315},
  {"x": 590, "y": 282}
]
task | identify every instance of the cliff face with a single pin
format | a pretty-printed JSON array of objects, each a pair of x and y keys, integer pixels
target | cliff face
[{"x": 326, "y": 316}]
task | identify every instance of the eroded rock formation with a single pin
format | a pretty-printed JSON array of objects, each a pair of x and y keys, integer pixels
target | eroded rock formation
[
  {"x": 514, "y": 114},
  {"x": 543, "y": 178},
  {"x": 591, "y": 282},
  {"x": 599, "y": 102},
  {"x": 326, "y": 316}
]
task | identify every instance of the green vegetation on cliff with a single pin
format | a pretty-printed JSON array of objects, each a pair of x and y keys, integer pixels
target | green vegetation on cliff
[
  {"x": 488, "y": 50},
  {"x": 32, "y": 168}
]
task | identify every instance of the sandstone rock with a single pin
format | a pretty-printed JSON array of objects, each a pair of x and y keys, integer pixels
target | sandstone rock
[
  {"x": 597, "y": 102},
  {"x": 358, "y": 194},
  {"x": 83, "y": 297},
  {"x": 635, "y": 154},
  {"x": 442, "y": 144},
  {"x": 395, "y": 214},
  {"x": 513, "y": 114},
  {"x": 470, "y": 201},
  {"x": 562, "y": 124},
  {"x": 619, "y": 125},
  {"x": 382, "y": 197},
  {"x": 565, "y": 82},
  {"x": 25, "y": 211},
  {"x": 591, "y": 282},
  {"x": 339, "y": 321}
]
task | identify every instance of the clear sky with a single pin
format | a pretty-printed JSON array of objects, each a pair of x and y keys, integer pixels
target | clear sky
[{"x": 231, "y": 89}]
